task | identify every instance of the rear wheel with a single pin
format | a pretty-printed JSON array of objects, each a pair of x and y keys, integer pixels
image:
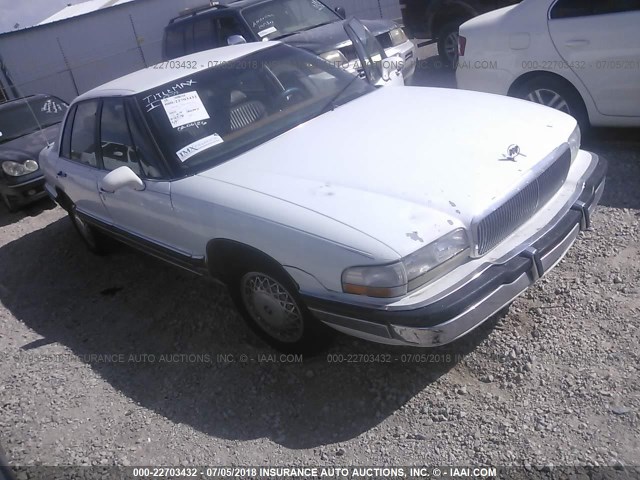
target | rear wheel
[
  {"x": 271, "y": 306},
  {"x": 448, "y": 44},
  {"x": 555, "y": 93},
  {"x": 95, "y": 240}
]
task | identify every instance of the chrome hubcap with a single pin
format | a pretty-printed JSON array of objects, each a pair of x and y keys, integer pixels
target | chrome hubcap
[
  {"x": 549, "y": 98},
  {"x": 271, "y": 307}
]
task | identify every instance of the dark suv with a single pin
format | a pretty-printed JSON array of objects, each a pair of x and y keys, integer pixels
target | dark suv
[
  {"x": 440, "y": 19},
  {"x": 307, "y": 24}
]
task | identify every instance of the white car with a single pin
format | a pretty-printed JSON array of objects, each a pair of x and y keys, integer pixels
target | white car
[
  {"x": 581, "y": 57},
  {"x": 301, "y": 187}
]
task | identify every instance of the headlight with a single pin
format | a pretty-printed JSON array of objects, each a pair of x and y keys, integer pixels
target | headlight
[
  {"x": 397, "y": 279},
  {"x": 398, "y": 36},
  {"x": 421, "y": 264},
  {"x": 378, "y": 281},
  {"x": 574, "y": 143},
  {"x": 15, "y": 169},
  {"x": 335, "y": 57}
]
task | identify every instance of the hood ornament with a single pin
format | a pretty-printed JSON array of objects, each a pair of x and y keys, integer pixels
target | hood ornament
[{"x": 513, "y": 152}]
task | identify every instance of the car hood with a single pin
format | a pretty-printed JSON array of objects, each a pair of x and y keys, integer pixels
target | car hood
[
  {"x": 29, "y": 146},
  {"x": 328, "y": 37},
  {"x": 404, "y": 165}
]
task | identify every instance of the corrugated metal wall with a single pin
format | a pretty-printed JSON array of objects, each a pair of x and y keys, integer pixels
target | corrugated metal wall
[{"x": 70, "y": 57}]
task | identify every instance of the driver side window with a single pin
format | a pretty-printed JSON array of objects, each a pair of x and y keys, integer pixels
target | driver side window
[
  {"x": 115, "y": 139},
  {"x": 83, "y": 134}
]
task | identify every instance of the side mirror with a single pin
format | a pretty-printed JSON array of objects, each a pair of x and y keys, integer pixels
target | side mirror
[
  {"x": 236, "y": 40},
  {"x": 121, "y": 177},
  {"x": 391, "y": 69},
  {"x": 342, "y": 13}
]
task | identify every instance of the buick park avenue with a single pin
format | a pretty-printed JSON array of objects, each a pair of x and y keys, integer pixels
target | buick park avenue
[{"x": 271, "y": 172}]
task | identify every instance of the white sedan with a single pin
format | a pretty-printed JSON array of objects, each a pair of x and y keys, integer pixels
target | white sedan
[
  {"x": 581, "y": 57},
  {"x": 301, "y": 187}
]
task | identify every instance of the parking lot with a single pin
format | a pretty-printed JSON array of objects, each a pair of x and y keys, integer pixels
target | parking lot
[{"x": 125, "y": 360}]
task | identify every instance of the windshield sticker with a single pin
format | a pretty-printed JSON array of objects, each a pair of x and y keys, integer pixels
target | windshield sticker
[
  {"x": 264, "y": 22},
  {"x": 267, "y": 31},
  {"x": 192, "y": 125},
  {"x": 51, "y": 106},
  {"x": 317, "y": 5},
  {"x": 198, "y": 146},
  {"x": 154, "y": 101},
  {"x": 184, "y": 108}
]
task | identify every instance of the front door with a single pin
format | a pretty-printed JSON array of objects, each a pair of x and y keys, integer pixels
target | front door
[{"x": 146, "y": 215}]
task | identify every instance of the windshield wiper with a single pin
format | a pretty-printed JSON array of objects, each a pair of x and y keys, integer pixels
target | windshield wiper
[
  {"x": 331, "y": 105},
  {"x": 302, "y": 30}
]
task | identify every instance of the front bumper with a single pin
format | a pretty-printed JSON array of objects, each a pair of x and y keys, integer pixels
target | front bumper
[
  {"x": 477, "y": 299},
  {"x": 407, "y": 51},
  {"x": 24, "y": 192}
]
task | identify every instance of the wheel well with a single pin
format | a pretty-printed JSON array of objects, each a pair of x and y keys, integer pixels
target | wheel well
[
  {"x": 531, "y": 75},
  {"x": 225, "y": 257},
  {"x": 63, "y": 200}
]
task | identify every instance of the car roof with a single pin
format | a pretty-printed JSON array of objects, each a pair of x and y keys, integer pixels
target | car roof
[
  {"x": 206, "y": 9},
  {"x": 171, "y": 70}
]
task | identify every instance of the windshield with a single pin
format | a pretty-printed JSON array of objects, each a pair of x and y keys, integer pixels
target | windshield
[
  {"x": 26, "y": 116},
  {"x": 211, "y": 116},
  {"x": 278, "y": 18}
]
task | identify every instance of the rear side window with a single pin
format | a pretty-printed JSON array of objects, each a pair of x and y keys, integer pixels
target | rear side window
[
  {"x": 83, "y": 134},
  {"x": 583, "y": 8},
  {"x": 616, "y": 6},
  {"x": 204, "y": 34},
  {"x": 174, "y": 42}
]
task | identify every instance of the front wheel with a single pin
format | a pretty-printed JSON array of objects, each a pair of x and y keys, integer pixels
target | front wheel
[{"x": 271, "y": 306}]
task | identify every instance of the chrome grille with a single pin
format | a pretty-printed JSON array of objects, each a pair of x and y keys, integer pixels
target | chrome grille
[{"x": 499, "y": 224}]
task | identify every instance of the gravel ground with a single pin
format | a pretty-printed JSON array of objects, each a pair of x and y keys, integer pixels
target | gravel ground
[{"x": 94, "y": 367}]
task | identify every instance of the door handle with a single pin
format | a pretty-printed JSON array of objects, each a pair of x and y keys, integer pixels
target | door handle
[
  {"x": 102, "y": 190},
  {"x": 577, "y": 43},
  {"x": 61, "y": 174}
]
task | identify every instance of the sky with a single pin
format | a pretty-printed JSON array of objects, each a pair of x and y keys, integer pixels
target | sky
[{"x": 28, "y": 12}]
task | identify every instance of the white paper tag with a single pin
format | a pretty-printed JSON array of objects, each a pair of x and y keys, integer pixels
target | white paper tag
[
  {"x": 267, "y": 31},
  {"x": 184, "y": 108},
  {"x": 198, "y": 146}
]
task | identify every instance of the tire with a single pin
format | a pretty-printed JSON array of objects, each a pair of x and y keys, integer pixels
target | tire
[
  {"x": 11, "y": 206},
  {"x": 448, "y": 44},
  {"x": 555, "y": 93},
  {"x": 270, "y": 304},
  {"x": 96, "y": 241}
]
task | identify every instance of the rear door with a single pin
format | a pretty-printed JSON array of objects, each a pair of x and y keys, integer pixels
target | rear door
[{"x": 600, "y": 41}]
